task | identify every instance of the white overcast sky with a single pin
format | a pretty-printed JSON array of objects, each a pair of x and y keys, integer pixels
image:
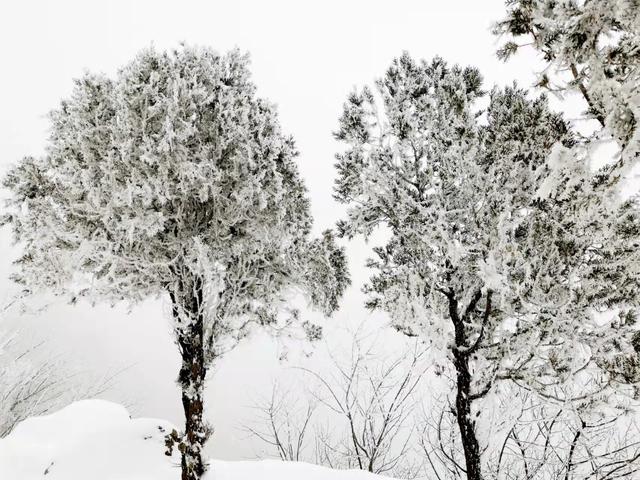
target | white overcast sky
[{"x": 306, "y": 57}]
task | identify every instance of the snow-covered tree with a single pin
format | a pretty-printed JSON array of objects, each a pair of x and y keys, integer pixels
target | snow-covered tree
[
  {"x": 590, "y": 47},
  {"x": 499, "y": 252},
  {"x": 175, "y": 178}
]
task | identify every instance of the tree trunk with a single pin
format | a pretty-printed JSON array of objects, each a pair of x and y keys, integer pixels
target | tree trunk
[
  {"x": 189, "y": 317},
  {"x": 466, "y": 424}
]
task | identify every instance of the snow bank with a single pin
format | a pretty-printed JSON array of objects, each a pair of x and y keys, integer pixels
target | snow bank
[{"x": 99, "y": 440}]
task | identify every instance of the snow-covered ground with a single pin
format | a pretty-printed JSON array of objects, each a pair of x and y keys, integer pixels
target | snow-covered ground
[{"x": 97, "y": 439}]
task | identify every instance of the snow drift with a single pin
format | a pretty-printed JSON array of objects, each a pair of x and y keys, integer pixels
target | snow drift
[{"x": 99, "y": 440}]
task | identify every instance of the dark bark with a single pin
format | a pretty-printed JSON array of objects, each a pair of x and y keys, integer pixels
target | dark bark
[
  {"x": 576, "y": 437},
  {"x": 464, "y": 398},
  {"x": 583, "y": 90},
  {"x": 189, "y": 324},
  {"x": 466, "y": 424}
]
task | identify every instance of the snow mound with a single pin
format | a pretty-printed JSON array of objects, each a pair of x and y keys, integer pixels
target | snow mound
[
  {"x": 99, "y": 440},
  {"x": 88, "y": 439}
]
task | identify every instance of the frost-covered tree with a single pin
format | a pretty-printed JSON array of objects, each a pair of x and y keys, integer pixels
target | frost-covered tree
[
  {"x": 590, "y": 47},
  {"x": 491, "y": 254},
  {"x": 174, "y": 178}
]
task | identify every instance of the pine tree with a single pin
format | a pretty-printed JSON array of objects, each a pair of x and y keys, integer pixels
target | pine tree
[
  {"x": 490, "y": 257},
  {"x": 591, "y": 48},
  {"x": 174, "y": 179}
]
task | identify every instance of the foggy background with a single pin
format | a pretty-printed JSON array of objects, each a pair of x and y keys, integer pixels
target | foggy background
[{"x": 306, "y": 57}]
